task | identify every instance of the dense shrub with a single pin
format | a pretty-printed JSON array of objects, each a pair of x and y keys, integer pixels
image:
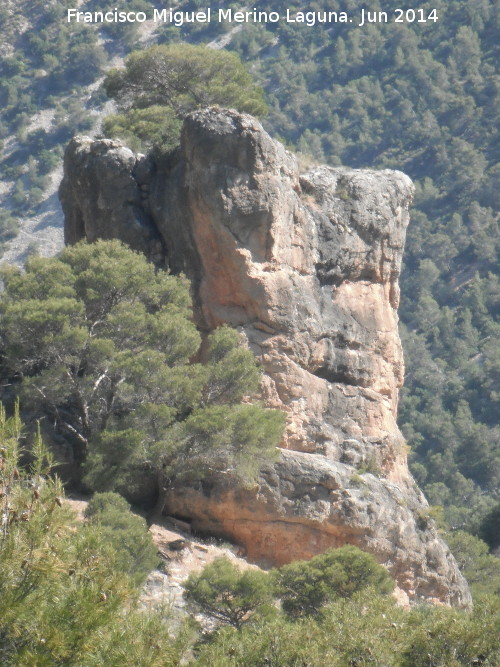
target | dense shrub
[
  {"x": 127, "y": 533},
  {"x": 305, "y": 587}
]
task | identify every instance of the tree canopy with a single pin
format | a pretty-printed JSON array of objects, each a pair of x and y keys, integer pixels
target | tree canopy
[
  {"x": 304, "y": 588},
  {"x": 365, "y": 630},
  {"x": 335, "y": 611},
  {"x": 78, "y": 329},
  {"x": 100, "y": 344},
  {"x": 160, "y": 85},
  {"x": 227, "y": 594}
]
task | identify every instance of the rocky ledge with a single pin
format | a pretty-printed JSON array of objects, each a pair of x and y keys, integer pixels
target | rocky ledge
[{"x": 307, "y": 267}]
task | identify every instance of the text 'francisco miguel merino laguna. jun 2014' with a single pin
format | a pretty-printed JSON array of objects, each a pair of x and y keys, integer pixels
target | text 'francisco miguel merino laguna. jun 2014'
[{"x": 306, "y": 18}]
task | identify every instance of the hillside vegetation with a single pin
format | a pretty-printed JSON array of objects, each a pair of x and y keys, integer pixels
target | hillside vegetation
[
  {"x": 69, "y": 595},
  {"x": 419, "y": 97},
  {"x": 422, "y": 98}
]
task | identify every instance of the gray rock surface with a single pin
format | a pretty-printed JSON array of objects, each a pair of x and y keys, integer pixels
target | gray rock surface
[
  {"x": 307, "y": 267},
  {"x": 107, "y": 195}
]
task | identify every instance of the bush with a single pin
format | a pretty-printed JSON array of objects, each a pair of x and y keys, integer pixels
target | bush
[
  {"x": 104, "y": 502},
  {"x": 305, "y": 587},
  {"x": 228, "y": 595},
  {"x": 480, "y": 568},
  {"x": 363, "y": 631},
  {"x": 143, "y": 128},
  {"x": 127, "y": 533},
  {"x": 9, "y": 226},
  {"x": 444, "y": 637},
  {"x": 65, "y": 598}
]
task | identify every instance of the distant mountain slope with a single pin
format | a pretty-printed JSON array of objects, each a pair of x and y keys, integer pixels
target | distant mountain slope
[{"x": 50, "y": 73}]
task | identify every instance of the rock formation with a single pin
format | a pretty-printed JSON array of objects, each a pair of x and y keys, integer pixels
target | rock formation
[{"x": 306, "y": 266}]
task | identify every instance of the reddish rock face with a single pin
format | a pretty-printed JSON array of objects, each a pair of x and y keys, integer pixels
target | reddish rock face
[{"x": 307, "y": 267}]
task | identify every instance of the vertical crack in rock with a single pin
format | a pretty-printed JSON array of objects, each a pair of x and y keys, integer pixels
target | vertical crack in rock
[{"x": 307, "y": 267}]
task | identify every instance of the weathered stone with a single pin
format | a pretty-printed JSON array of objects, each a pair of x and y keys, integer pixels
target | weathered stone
[
  {"x": 306, "y": 504},
  {"x": 307, "y": 267},
  {"x": 101, "y": 195}
]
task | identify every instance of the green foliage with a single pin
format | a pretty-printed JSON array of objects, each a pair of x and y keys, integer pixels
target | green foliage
[
  {"x": 447, "y": 638},
  {"x": 183, "y": 77},
  {"x": 305, "y": 587},
  {"x": 81, "y": 331},
  {"x": 231, "y": 376},
  {"x": 370, "y": 465},
  {"x": 480, "y": 568},
  {"x": 9, "y": 227},
  {"x": 489, "y": 529},
  {"x": 139, "y": 128},
  {"x": 108, "y": 501},
  {"x": 127, "y": 533},
  {"x": 115, "y": 461},
  {"x": 350, "y": 632},
  {"x": 364, "y": 630},
  {"x": 65, "y": 598},
  {"x": 49, "y": 63},
  {"x": 160, "y": 85},
  {"x": 100, "y": 343},
  {"x": 236, "y": 440},
  {"x": 228, "y": 595},
  {"x": 126, "y": 33}
]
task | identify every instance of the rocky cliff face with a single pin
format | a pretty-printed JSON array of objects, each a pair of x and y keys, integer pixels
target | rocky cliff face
[{"x": 306, "y": 266}]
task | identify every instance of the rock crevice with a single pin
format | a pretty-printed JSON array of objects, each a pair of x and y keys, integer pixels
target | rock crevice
[{"x": 307, "y": 267}]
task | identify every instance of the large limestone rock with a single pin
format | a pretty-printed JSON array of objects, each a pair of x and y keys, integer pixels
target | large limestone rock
[{"x": 307, "y": 267}]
